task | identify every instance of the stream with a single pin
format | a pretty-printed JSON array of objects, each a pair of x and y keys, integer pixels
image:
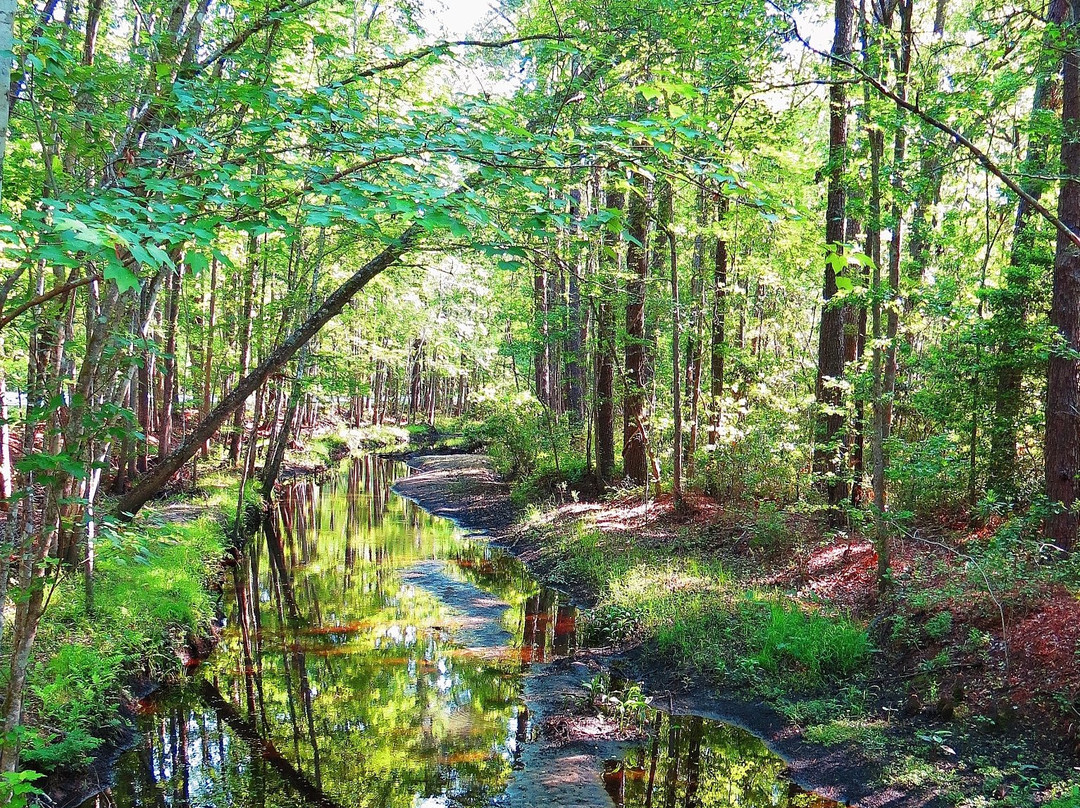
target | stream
[{"x": 374, "y": 655}]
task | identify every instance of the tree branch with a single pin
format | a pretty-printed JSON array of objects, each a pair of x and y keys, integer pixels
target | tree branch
[
  {"x": 44, "y": 298},
  {"x": 980, "y": 156}
]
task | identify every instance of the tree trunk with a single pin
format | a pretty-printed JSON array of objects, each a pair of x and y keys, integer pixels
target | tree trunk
[
  {"x": 208, "y": 354},
  {"x": 719, "y": 314},
  {"x": 666, "y": 205},
  {"x": 7, "y": 45},
  {"x": 605, "y": 355},
  {"x": 246, "y": 321},
  {"x": 883, "y": 403},
  {"x": 828, "y": 451},
  {"x": 1013, "y": 300},
  {"x": 635, "y": 461},
  {"x": 542, "y": 351},
  {"x": 169, "y": 385},
  {"x": 1062, "y": 449},
  {"x": 575, "y": 371}
]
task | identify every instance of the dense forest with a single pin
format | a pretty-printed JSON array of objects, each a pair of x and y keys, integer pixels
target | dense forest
[{"x": 814, "y": 263}]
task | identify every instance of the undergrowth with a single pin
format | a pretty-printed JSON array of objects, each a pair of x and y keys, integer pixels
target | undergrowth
[
  {"x": 694, "y": 610},
  {"x": 150, "y": 597}
]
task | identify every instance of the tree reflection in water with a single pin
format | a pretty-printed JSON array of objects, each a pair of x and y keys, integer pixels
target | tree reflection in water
[
  {"x": 693, "y": 763},
  {"x": 338, "y": 681}
]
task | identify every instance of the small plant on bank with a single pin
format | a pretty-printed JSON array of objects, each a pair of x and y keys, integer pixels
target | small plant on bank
[{"x": 628, "y": 705}]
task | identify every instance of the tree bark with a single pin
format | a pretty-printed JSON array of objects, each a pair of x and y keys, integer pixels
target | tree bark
[
  {"x": 542, "y": 351},
  {"x": 246, "y": 320},
  {"x": 7, "y": 45},
  {"x": 828, "y": 453},
  {"x": 1062, "y": 449},
  {"x": 575, "y": 370},
  {"x": 208, "y": 353},
  {"x": 719, "y": 316},
  {"x": 169, "y": 382},
  {"x": 635, "y": 460},
  {"x": 334, "y": 303},
  {"x": 666, "y": 205},
  {"x": 605, "y": 355}
]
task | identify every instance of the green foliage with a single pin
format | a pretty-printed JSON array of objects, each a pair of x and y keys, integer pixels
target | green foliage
[
  {"x": 150, "y": 596},
  {"x": 812, "y": 644},
  {"x": 693, "y": 610},
  {"x": 532, "y": 446},
  {"x": 17, "y": 789}
]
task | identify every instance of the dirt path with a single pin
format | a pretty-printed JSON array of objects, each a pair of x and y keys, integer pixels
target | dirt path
[{"x": 466, "y": 490}]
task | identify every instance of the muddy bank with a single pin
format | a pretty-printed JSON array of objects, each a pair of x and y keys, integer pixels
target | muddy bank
[{"x": 465, "y": 489}]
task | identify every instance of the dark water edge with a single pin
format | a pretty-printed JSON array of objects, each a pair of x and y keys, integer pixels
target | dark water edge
[{"x": 374, "y": 655}]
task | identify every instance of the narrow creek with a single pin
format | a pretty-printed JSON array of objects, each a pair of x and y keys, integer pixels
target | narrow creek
[{"x": 374, "y": 655}]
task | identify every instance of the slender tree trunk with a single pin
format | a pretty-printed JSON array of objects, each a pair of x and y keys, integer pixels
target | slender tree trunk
[
  {"x": 7, "y": 45},
  {"x": 542, "y": 352},
  {"x": 605, "y": 357},
  {"x": 246, "y": 321},
  {"x": 208, "y": 353},
  {"x": 884, "y": 411},
  {"x": 169, "y": 382},
  {"x": 697, "y": 330},
  {"x": 666, "y": 204},
  {"x": 1062, "y": 449},
  {"x": 719, "y": 315},
  {"x": 5, "y": 430},
  {"x": 575, "y": 370}
]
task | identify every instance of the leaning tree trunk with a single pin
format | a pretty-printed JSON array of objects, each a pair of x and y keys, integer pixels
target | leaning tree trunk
[
  {"x": 330, "y": 308},
  {"x": 1062, "y": 450}
]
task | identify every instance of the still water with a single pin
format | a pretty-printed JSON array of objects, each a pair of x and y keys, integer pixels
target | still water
[{"x": 375, "y": 656}]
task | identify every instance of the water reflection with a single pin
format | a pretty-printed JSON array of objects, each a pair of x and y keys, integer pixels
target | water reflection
[
  {"x": 693, "y": 763},
  {"x": 372, "y": 656}
]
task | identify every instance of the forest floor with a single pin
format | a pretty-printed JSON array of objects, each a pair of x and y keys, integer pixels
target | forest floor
[{"x": 757, "y": 621}]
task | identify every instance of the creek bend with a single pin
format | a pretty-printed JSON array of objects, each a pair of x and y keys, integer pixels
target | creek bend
[{"x": 374, "y": 655}]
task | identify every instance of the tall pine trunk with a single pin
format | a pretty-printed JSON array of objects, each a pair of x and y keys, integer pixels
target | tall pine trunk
[
  {"x": 635, "y": 460},
  {"x": 828, "y": 453},
  {"x": 1062, "y": 450}
]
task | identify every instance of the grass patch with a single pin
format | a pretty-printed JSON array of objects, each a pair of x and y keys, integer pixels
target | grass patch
[
  {"x": 867, "y": 735},
  {"x": 693, "y": 610}
]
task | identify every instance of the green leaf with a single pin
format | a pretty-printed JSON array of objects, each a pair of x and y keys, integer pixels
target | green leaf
[
  {"x": 124, "y": 278},
  {"x": 196, "y": 261}
]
